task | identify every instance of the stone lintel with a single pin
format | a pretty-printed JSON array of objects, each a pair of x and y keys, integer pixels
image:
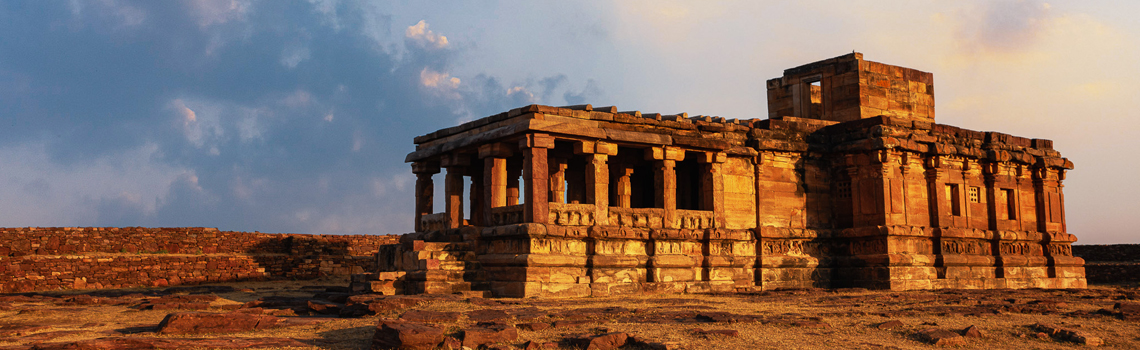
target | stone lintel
[
  {"x": 425, "y": 167},
  {"x": 496, "y": 150}
]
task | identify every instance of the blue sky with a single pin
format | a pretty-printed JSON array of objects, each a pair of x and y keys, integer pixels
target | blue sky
[{"x": 295, "y": 116}]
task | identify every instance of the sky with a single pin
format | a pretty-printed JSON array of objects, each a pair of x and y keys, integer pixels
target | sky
[{"x": 295, "y": 116}]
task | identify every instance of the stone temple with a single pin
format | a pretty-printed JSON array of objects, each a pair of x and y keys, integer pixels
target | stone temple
[{"x": 848, "y": 182}]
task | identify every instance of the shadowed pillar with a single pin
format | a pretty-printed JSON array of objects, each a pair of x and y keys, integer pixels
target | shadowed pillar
[
  {"x": 425, "y": 189},
  {"x": 494, "y": 157},
  {"x": 453, "y": 186}
]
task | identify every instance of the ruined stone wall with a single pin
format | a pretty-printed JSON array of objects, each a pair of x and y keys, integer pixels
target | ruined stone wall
[
  {"x": 33, "y": 259},
  {"x": 1110, "y": 263}
]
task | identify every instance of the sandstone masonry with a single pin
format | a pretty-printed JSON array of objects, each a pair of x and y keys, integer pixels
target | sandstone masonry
[
  {"x": 847, "y": 183},
  {"x": 51, "y": 258}
]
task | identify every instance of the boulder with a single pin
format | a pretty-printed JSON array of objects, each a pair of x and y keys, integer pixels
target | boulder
[
  {"x": 405, "y": 335},
  {"x": 889, "y": 324},
  {"x": 941, "y": 337},
  {"x": 606, "y": 341},
  {"x": 496, "y": 333},
  {"x": 533, "y": 326},
  {"x": 972, "y": 332},
  {"x": 1067, "y": 335}
]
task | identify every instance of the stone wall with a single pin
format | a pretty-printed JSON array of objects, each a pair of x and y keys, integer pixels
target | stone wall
[
  {"x": 1110, "y": 263},
  {"x": 36, "y": 259}
]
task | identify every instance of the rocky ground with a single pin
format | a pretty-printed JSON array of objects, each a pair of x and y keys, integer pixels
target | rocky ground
[{"x": 322, "y": 315}]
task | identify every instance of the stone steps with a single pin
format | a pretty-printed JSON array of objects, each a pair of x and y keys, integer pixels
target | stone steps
[{"x": 431, "y": 268}]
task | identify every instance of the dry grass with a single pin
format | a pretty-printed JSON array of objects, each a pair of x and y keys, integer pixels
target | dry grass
[{"x": 851, "y": 315}]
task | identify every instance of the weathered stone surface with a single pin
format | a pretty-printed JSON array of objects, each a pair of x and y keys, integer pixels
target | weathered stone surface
[
  {"x": 473, "y": 337},
  {"x": 405, "y": 335},
  {"x": 199, "y": 323},
  {"x": 533, "y": 326}
]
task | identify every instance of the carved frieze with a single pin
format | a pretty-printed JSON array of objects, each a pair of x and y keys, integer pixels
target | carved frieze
[
  {"x": 868, "y": 246},
  {"x": 571, "y": 214},
  {"x": 1060, "y": 249},
  {"x": 1020, "y": 248},
  {"x": 966, "y": 247}
]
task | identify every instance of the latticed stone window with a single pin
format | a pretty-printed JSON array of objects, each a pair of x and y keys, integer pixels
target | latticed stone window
[
  {"x": 975, "y": 197},
  {"x": 844, "y": 189}
]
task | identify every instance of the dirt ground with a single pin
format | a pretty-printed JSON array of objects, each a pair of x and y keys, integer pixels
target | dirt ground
[{"x": 789, "y": 319}]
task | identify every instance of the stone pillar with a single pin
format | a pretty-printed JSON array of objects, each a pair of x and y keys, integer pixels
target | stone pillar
[
  {"x": 598, "y": 187},
  {"x": 494, "y": 157},
  {"x": 624, "y": 188},
  {"x": 425, "y": 189},
  {"x": 665, "y": 180},
  {"x": 665, "y": 189},
  {"x": 453, "y": 188},
  {"x": 558, "y": 180},
  {"x": 536, "y": 174},
  {"x": 597, "y": 179}
]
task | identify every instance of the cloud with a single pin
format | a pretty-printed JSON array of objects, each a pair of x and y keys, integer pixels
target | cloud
[
  {"x": 433, "y": 79},
  {"x": 420, "y": 35},
  {"x": 53, "y": 194},
  {"x": 188, "y": 115},
  {"x": 215, "y": 12},
  {"x": 120, "y": 13},
  {"x": 293, "y": 56},
  {"x": 1002, "y": 27},
  {"x": 588, "y": 93},
  {"x": 222, "y": 114}
]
